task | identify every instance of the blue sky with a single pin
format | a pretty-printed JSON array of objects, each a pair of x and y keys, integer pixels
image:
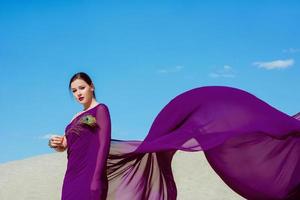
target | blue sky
[{"x": 140, "y": 55}]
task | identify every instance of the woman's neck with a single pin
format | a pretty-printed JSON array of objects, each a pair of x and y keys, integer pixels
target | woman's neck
[{"x": 89, "y": 105}]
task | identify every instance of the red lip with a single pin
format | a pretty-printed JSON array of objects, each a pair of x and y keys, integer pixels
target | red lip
[{"x": 81, "y": 98}]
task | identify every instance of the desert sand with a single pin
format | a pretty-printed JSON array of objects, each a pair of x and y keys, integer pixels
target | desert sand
[{"x": 40, "y": 178}]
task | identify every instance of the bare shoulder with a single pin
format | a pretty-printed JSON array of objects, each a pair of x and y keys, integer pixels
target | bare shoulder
[{"x": 75, "y": 116}]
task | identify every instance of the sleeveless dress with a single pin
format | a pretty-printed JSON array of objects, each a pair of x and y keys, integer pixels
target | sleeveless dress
[{"x": 252, "y": 146}]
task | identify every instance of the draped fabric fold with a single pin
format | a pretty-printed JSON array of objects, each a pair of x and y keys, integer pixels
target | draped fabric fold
[{"x": 252, "y": 146}]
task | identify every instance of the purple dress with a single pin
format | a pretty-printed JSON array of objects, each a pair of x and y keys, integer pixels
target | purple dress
[
  {"x": 252, "y": 146},
  {"x": 88, "y": 147}
]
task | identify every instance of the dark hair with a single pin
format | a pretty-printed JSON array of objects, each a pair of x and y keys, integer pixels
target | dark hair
[{"x": 82, "y": 76}]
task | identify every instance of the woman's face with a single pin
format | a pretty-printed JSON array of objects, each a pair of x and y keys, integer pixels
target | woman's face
[{"x": 82, "y": 91}]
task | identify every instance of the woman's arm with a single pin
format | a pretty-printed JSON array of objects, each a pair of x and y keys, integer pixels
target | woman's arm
[{"x": 99, "y": 184}]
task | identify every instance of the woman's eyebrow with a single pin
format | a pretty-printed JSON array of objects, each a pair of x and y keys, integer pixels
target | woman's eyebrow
[{"x": 78, "y": 86}]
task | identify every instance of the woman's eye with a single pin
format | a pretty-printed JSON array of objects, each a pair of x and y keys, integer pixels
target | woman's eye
[{"x": 82, "y": 88}]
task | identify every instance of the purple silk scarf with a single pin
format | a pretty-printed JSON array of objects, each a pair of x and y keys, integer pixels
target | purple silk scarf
[{"x": 252, "y": 146}]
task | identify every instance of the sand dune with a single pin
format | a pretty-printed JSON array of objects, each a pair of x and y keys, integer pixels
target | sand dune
[{"x": 40, "y": 178}]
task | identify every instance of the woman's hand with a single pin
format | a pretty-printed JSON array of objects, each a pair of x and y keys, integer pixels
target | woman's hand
[{"x": 59, "y": 143}]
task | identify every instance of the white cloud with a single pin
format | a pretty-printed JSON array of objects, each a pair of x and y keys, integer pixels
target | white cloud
[
  {"x": 170, "y": 70},
  {"x": 46, "y": 136},
  {"x": 226, "y": 72},
  {"x": 276, "y": 64},
  {"x": 291, "y": 50}
]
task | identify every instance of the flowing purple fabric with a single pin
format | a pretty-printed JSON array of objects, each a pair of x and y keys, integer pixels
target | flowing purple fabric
[{"x": 252, "y": 146}]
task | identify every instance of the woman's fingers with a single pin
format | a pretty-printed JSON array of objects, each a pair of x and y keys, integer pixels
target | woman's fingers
[
  {"x": 50, "y": 144},
  {"x": 55, "y": 141}
]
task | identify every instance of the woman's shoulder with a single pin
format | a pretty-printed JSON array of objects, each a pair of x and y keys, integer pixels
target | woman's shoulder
[
  {"x": 77, "y": 114},
  {"x": 102, "y": 109},
  {"x": 99, "y": 106},
  {"x": 102, "y": 105}
]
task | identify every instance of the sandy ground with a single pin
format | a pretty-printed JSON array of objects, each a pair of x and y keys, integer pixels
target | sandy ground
[{"x": 40, "y": 178}]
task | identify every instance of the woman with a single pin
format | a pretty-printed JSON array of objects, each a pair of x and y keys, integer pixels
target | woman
[
  {"x": 252, "y": 146},
  {"x": 88, "y": 144}
]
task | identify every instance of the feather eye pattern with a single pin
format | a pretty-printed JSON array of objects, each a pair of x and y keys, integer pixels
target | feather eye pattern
[
  {"x": 89, "y": 120},
  {"x": 86, "y": 120}
]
